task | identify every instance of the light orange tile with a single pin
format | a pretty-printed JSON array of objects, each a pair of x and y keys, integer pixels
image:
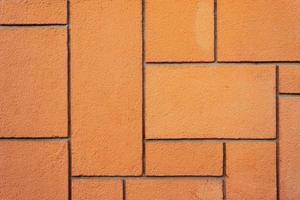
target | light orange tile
[
  {"x": 289, "y": 148},
  {"x": 251, "y": 171},
  {"x": 180, "y": 159},
  {"x": 175, "y": 189},
  {"x": 261, "y": 31},
  {"x": 289, "y": 78},
  {"x": 33, "y": 12},
  {"x": 33, "y": 170},
  {"x": 210, "y": 102},
  {"x": 92, "y": 189},
  {"x": 106, "y": 87},
  {"x": 33, "y": 82},
  {"x": 178, "y": 30}
]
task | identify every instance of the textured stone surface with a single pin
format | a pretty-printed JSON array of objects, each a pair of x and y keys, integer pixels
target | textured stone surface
[
  {"x": 175, "y": 189},
  {"x": 33, "y": 12},
  {"x": 33, "y": 170},
  {"x": 167, "y": 159},
  {"x": 33, "y": 82},
  {"x": 289, "y": 78},
  {"x": 179, "y": 31},
  {"x": 260, "y": 31},
  {"x": 106, "y": 87},
  {"x": 208, "y": 102},
  {"x": 251, "y": 171},
  {"x": 85, "y": 189},
  {"x": 289, "y": 146}
]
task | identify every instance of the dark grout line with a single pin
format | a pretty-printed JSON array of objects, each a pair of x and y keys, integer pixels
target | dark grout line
[
  {"x": 277, "y": 133},
  {"x": 211, "y": 139},
  {"x": 69, "y": 103},
  {"x": 215, "y": 31},
  {"x": 124, "y": 189},
  {"x": 148, "y": 177},
  {"x": 224, "y": 170},
  {"x": 35, "y": 139},
  {"x": 217, "y": 63},
  {"x": 288, "y": 94},
  {"x": 29, "y": 25},
  {"x": 143, "y": 90}
]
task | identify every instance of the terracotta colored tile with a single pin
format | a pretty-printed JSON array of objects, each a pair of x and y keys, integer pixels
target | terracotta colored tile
[
  {"x": 33, "y": 80},
  {"x": 289, "y": 79},
  {"x": 33, "y": 12},
  {"x": 167, "y": 159},
  {"x": 177, "y": 30},
  {"x": 33, "y": 170},
  {"x": 289, "y": 146},
  {"x": 209, "y": 102},
  {"x": 251, "y": 171},
  {"x": 260, "y": 31},
  {"x": 175, "y": 189},
  {"x": 97, "y": 189},
  {"x": 106, "y": 87}
]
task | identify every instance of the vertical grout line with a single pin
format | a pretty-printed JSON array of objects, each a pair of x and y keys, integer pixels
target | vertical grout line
[
  {"x": 224, "y": 171},
  {"x": 143, "y": 89},
  {"x": 215, "y": 32},
  {"x": 277, "y": 131},
  {"x": 69, "y": 102},
  {"x": 124, "y": 189}
]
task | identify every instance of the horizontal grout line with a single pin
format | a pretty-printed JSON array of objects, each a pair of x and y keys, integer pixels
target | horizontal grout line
[
  {"x": 289, "y": 94},
  {"x": 210, "y": 65},
  {"x": 37, "y": 139},
  {"x": 148, "y": 177},
  {"x": 217, "y": 64},
  {"x": 58, "y": 24},
  {"x": 179, "y": 62},
  {"x": 61, "y": 26},
  {"x": 212, "y": 140}
]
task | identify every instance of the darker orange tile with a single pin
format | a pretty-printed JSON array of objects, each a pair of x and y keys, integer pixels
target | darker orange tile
[
  {"x": 289, "y": 79},
  {"x": 210, "y": 102},
  {"x": 33, "y": 12},
  {"x": 178, "y": 30},
  {"x": 180, "y": 159},
  {"x": 251, "y": 171},
  {"x": 33, "y": 170},
  {"x": 289, "y": 148},
  {"x": 175, "y": 189},
  {"x": 85, "y": 189},
  {"x": 106, "y": 87},
  {"x": 33, "y": 81},
  {"x": 260, "y": 31}
]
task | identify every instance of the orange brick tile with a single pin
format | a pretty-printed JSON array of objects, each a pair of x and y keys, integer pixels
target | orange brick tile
[
  {"x": 33, "y": 81},
  {"x": 260, "y": 31},
  {"x": 33, "y": 170},
  {"x": 167, "y": 159},
  {"x": 289, "y": 79},
  {"x": 209, "y": 102},
  {"x": 33, "y": 12},
  {"x": 289, "y": 146},
  {"x": 251, "y": 171},
  {"x": 106, "y": 87},
  {"x": 178, "y": 30},
  {"x": 84, "y": 189},
  {"x": 175, "y": 189}
]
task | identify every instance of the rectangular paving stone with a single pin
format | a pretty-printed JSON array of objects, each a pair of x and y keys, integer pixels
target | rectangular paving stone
[
  {"x": 106, "y": 87},
  {"x": 289, "y": 78},
  {"x": 175, "y": 189},
  {"x": 33, "y": 82},
  {"x": 251, "y": 171},
  {"x": 180, "y": 159},
  {"x": 258, "y": 31},
  {"x": 289, "y": 147},
  {"x": 210, "y": 102},
  {"x": 33, "y": 170},
  {"x": 94, "y": 189},
  {"x": 33, "y": 12}
]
